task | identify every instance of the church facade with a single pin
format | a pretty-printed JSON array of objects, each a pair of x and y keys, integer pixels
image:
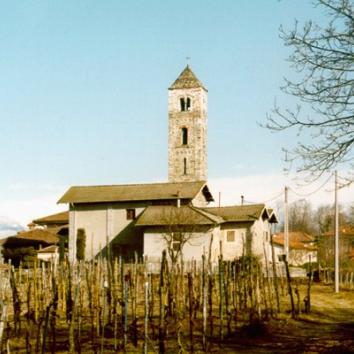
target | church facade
[{"x": 146, "y": 219}]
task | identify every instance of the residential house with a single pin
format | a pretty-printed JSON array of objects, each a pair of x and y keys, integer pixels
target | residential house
[
  {"x": 234, "y": 230},
  {"x": 24, "y": 245},
  {"x": 302, "y": 247},
  {"x": 49, "y": 254}
]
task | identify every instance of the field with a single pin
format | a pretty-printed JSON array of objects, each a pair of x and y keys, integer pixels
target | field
[
  {"x": 328, "y": 328},
  {"x": 115, "y": 308}
]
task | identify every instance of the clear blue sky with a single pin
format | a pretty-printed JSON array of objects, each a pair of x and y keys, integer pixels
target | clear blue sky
[{"x": 83, "y": 90}]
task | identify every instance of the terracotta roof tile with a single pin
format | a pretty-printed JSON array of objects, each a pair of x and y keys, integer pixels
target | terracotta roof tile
[
  {"x": 297, "y": 240},
  {"x": 347, "y": 229}
]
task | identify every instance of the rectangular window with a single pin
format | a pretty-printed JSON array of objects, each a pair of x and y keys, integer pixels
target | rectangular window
[
  {"x": 176, "y": 243},
  {"x": 184, "y": 166},
  {"x": 130, "y": 214},
  {"x": 176, "y": 246},
  {"x": 230, "y": 236}
]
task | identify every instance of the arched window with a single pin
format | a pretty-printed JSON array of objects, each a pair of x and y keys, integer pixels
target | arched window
[
  {"x": 184, "y": 136},
  {"x": 184, "y": 166},
  {"x": 188, "y": 105},
  {"x": 183, "y": 104}
]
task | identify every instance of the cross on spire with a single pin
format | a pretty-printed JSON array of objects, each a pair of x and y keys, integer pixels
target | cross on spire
[{"x": 188, "y": 60}]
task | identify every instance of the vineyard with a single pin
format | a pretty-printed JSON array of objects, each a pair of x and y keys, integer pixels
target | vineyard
[{"x": 107, "y": 307}]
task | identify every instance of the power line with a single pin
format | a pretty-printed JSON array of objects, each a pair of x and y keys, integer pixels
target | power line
[
  {"x": 276, "y": 197},
  {"x": 313, "y": 192}
]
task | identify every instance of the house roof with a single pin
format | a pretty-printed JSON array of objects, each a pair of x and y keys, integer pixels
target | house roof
[
  {"x": 58, "y": 218},
  {"x": 135, "y": 192},
  {"x": 239, "y": 213},
  {"x": 347, "y": 229},
  {"x": 49, "y": 249},
  {"x": 186, "y": 80},
  {"x": 172, "y": 215},
  {"x": 297, "y": 240},
  {"x": 35, "y": 236},
  {"x": 272, "y": 217}
]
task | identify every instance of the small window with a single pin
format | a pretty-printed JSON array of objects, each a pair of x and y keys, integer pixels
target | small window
[
  {"x": 130, "y": 214},
  {"x": 176, "y": 243},
  {"x": 183, "y": 104},
  {"x": 184, "y": 166},
  {"x": 230, "y": 236},
  {"x": 184, "y": 136},
  {"x": 188, "y": 104},
  {"x": 176, "y": 246}
]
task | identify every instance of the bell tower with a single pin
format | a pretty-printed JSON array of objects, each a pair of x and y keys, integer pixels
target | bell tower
[{"x": 187, "y": 135}]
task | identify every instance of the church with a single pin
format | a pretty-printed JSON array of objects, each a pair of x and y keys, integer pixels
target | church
[{"x": 175, "y": 216}]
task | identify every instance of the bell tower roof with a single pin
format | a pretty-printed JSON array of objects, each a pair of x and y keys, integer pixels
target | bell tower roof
[{"x": 186, "y": 80}]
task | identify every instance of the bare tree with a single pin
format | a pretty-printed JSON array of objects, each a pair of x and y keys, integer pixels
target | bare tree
[
  {"x": 301, "y": 216},
  {"x": 323, "y": 56},
  {"x": 181, "y": 227}
]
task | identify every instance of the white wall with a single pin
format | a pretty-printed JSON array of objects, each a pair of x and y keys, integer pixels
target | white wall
[
  {"x": 297, "y": 257},
  {"x": 154, "y": 244},
  {"x": 261, "y": 239},
  {"x": 234, "y": 249},
  {"x": 101, "y": 222}
]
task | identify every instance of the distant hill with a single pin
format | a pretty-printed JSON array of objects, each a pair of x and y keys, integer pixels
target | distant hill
[{"x": 9, "y": 227}]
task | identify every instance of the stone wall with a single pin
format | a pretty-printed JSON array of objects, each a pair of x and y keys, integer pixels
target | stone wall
[{"x": 195, "y": 151}]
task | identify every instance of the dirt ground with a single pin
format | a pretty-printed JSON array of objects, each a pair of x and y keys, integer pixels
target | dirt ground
[{"x": 329, "y": 328}]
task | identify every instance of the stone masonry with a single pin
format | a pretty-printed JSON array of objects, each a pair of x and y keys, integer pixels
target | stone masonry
[{"x": 187, "y": 138}]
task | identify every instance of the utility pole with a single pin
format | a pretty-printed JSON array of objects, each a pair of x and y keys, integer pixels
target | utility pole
[
  {"x": 336, "y": 235},
  {"x": 286, "y": 225}
]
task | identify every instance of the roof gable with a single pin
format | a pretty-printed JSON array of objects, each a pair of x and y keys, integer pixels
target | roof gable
[{"x": 135, "y": 192}]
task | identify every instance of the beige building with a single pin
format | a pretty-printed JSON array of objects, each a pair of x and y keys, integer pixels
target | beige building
[
  {"x": 108, "y": 213},
  {"x": 235, "y": 231}
]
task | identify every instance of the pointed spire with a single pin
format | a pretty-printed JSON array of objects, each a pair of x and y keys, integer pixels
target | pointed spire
[{"x": 186, "y": 80}]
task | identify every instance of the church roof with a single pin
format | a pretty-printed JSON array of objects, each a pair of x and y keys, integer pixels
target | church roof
[
  {"x": 135, "y": 192},
  {"x": 186, "y": 80}
]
